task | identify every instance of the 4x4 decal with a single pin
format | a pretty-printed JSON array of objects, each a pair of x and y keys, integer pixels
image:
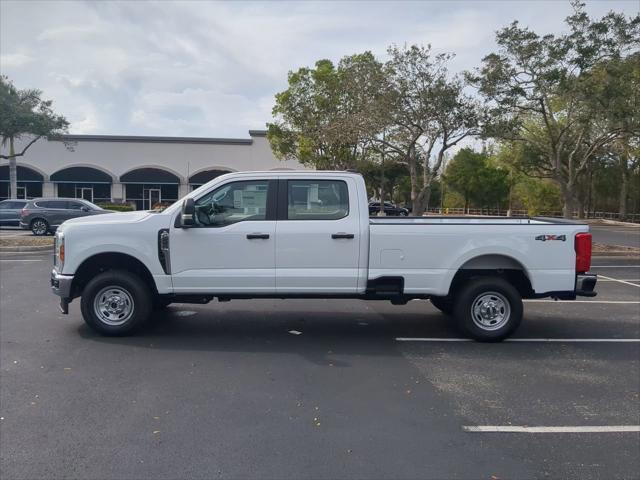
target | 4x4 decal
[{"x": 544, "y": 238}]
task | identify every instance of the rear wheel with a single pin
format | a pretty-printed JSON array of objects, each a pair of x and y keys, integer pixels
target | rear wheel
[
  {"x": 116, "y": 303},
  {"x": 39, "y": 227},
  {"x": 488, "y": 309}
]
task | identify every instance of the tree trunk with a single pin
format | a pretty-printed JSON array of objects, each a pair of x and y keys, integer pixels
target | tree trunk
[
  {"x": 569, "y": 200},
  {"x": 421, "y": 201},
  {"x": 511, "y": 182},
  {"x": 13, "y": 171},
  {"x": 624, "y": 187},
  {"x": 580, "y": 204},
  {"x": 413, "y": 173},
  {"x": 383, "y": 193}
]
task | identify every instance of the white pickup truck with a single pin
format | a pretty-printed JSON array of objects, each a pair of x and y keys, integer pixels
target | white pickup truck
[{"x": 307, "y": 234}]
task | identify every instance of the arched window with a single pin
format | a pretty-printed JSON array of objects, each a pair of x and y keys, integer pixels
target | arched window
[
  {"x": 205, "y": 176},
  {"x": 150, "y": 187},
  {"x": 29, "y": 182},
  {"x": 89, "y": 183}
]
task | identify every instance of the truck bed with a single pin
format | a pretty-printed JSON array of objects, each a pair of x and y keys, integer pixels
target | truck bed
[{"x": 428, "y": 251}]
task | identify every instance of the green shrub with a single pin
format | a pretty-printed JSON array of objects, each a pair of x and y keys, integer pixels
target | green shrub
[{"x": 118, "y": 207}]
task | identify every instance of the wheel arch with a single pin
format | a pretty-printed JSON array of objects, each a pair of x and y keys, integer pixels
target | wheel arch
[
  {"x": 493, "y": 264},
  {"x": 105, "y": 261}
]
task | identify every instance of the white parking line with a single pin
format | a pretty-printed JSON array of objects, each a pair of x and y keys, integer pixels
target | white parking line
[
  {"x": 602, "y": 278},
  {"x": 524, "y": 340},
  {"x": 624, "y": 302},
  {"x": 582, "y": 301},
  {"x": 567, "y": 429},
  {"x": 615, "y": 266},
  {"x": 20, "y": 260},
  {"x": 620, "y": 281}
]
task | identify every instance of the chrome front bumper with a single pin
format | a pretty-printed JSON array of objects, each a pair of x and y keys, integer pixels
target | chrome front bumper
[{"x": 61, "y": 284}]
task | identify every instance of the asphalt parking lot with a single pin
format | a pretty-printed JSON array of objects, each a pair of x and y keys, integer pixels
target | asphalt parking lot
[
  {"x": 616, "y": 234},
  {"x": 318, "y": 389}
]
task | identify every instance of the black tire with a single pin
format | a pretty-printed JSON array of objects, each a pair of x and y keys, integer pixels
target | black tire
[
  {"x": 444, "y": 304},
  {"x": 136, "y": 302},
  {"x": 479, "y": 300},
  {"x": 39, "y": 227}
]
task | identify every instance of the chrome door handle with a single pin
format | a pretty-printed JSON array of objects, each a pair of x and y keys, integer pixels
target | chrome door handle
[
  {"x": 257, "y": 236},
  {"x": 342, "y": 235}
]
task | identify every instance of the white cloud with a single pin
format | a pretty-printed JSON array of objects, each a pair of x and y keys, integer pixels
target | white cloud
[
  {"x": 211, "y": 68},
  {"x": 14, "y": 60}
]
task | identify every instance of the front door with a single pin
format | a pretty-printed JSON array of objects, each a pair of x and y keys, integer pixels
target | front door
[
  {"x": 232, "y": 246},
  {"x": 318, "y": 237},
  {"x": 153, "y": 197},
  {"x": 86, "y": 193}
]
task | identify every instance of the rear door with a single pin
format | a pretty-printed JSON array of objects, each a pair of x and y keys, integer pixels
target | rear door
[
  {"x": 232, "y": 246},
  {"x": 317, "y": 236}
]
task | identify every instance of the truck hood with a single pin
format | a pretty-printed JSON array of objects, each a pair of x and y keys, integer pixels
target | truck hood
[{"x": 107, "y": 218}]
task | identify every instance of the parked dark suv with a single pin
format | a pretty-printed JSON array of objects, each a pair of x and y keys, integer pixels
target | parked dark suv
[
  {"x": 10, "y": 211},
  {"x": 44, "y": 215},
  {"x": 389, "y": 209}
]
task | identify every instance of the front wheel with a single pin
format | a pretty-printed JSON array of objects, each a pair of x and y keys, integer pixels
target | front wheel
[
  {"x": 115, "y": 303},
  {"x": 488, "y": 309}
]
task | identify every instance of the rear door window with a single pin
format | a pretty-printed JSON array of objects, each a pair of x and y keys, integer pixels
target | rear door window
[
  {"x": 58, "y": 204},
  {"x": 317, "y": 199}
]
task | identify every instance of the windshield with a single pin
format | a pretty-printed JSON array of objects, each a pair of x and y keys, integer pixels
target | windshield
[{"x": 92, "y": 206}]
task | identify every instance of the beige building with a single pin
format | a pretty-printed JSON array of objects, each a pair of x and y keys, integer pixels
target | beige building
[{"x": 141, "y": 170}]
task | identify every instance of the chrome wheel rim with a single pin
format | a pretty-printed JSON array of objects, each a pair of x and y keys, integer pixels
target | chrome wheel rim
[
  {"x": 490, "y": 311},
  {"x": 113, "y": 305},
  {"x": 39, "y": 227}
]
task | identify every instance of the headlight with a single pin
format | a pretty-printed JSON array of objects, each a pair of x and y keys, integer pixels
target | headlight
[{"x": 58, "y": 246}]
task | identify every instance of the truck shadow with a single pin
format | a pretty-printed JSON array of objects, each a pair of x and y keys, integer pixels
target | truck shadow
[{"x": 323, "y": 338}]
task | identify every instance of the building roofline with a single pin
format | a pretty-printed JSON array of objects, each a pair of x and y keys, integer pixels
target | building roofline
[{"x": 161, "y": 139}]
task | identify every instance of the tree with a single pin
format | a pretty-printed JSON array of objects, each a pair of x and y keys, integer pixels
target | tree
[
  {"x": 542, "y": 91},
  {"x": 328, "y": 114},
  {"x": 470, "y": 174},
  {"x": 23, "y": 113},
  {"x": 431, "y": 112},
  {"x": 402, "y": 111}
]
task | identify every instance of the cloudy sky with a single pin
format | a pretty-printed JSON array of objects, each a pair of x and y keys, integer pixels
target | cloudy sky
[{"x": 211, "y": 69}]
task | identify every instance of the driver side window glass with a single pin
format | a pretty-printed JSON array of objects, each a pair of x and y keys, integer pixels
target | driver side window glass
[{"x": 233, "y": 203}]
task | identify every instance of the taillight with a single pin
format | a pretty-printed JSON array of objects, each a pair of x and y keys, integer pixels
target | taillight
[
  {"x": 583, "y": 252},
  {"x": 24, "y": 212}
]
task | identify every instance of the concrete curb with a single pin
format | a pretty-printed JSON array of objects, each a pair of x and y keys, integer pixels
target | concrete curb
[
  {"x": 616, "y": 254},
  {"x": 612, "y": 222},
  {"x": 25, "y": 248}
]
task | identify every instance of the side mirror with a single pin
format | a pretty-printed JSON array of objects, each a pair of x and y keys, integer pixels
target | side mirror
[
  {"x": 84, "y": 209},
  {"x": 187, "y": 216}
]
